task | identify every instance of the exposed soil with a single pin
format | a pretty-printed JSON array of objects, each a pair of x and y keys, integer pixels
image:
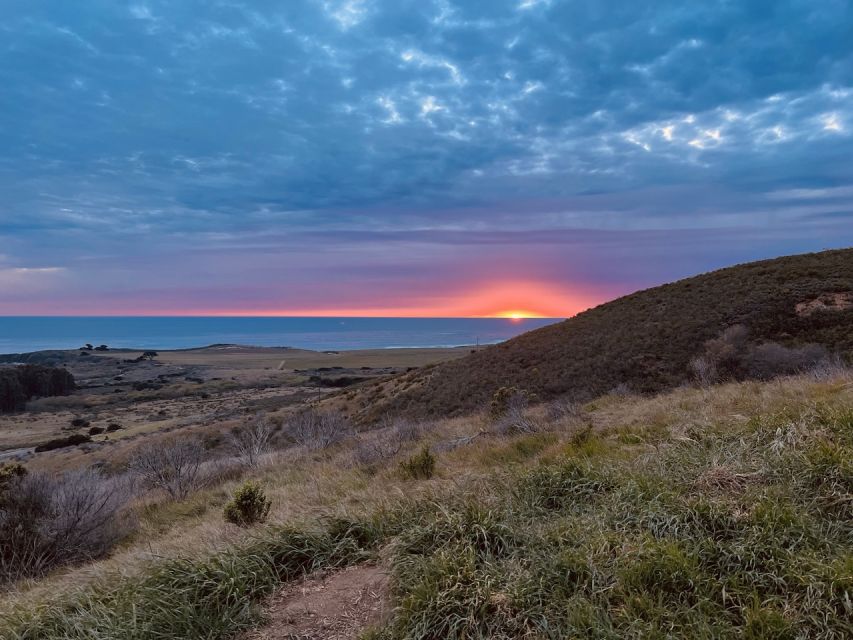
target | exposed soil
[
  {"x": 826, "y": 302},
  {"x": 328, "y": 606}
]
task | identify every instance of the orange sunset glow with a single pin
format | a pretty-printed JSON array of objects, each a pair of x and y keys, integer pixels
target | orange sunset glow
[{"x": 510, "y": 300}]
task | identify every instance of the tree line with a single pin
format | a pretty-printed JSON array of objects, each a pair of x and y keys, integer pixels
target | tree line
[{"x": 22, "y": 383}]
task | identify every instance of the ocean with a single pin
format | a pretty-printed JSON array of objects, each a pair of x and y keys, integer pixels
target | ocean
[{"x": 23, "y": 334}]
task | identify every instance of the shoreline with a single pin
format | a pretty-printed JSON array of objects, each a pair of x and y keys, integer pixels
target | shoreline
[{"x": 224, "y": 348}]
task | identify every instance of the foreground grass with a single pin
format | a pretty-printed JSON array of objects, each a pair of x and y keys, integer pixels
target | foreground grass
[{"x": 677, "y": 522}]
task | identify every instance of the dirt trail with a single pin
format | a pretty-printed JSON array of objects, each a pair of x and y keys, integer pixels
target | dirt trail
[{"x": 336, "y": 606}]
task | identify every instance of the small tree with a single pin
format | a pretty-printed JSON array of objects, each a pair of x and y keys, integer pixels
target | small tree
[
  {"x": 149, "y": 355},
  {"x": 253, "y": 440},
  {"x": 172, "y": 467}
]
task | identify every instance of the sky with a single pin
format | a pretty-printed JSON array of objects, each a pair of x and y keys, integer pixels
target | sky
[{"x": 411, "y": 158}]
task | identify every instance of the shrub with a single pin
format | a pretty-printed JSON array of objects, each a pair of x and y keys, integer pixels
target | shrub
[
  {"x": 506, "y": 399},
  {"x": 731, "y": 357},
  {"x": 371, "y": 451},
  {"x": 113, "y": 427},
  {"x": 248, "y": 506},
  {"x": 46, "y": 522},
  {"x": 172, "y": 466},
  {"x": 94, "y": 431},
  {"x": 318, "y": 429},
  {"x": 419, "y": 466},
  {"x": 252, "y": 441},
  {"x": 59, "y": 443},
  {"x": 79, "y": 423},
  {"x": 770, "y": 360}
]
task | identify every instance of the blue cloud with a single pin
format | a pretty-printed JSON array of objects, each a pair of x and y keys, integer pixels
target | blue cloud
[{"x": 152, "y": 125}]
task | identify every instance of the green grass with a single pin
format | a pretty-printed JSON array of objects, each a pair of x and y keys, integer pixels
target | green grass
[
  {"x": 737, "y": 532},
  {"x": 210, "y": 598}
]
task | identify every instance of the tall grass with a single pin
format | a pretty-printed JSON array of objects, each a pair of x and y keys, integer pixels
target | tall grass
[
  {"x": 690, "y": 525},
  {"x": 208, "y": 598}
]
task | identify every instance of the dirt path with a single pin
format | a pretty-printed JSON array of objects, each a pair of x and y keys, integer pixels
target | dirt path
[{"x": 336, "y": 606}]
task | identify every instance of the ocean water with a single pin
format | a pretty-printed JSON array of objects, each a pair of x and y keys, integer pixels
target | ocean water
[{"x": 23, "y": 334}]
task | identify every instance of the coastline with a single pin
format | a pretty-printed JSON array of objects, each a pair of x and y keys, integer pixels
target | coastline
[{"x": 28, "y": 335}]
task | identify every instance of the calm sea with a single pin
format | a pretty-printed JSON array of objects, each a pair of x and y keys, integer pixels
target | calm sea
[{"x": 23, "y": 334}]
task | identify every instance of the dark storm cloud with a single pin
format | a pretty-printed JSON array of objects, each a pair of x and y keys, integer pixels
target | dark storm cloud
[{"x": 139, "y": 134}]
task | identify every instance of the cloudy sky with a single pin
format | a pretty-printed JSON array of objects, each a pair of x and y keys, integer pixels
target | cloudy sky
[{"x": 396, "y": 157}]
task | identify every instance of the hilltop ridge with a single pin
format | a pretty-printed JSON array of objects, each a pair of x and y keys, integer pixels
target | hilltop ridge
[{"x": 644, "y": 340}]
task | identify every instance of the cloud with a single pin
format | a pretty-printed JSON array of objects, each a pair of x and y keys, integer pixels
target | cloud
[{"x": 210, "y": 124}]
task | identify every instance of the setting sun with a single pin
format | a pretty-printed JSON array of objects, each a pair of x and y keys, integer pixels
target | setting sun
[{"x": 516, "y": 314}]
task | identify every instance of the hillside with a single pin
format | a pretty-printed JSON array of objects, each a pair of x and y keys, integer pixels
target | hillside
[
  {"x": 645, "y": 340},
  {"x": 699, "y": 513}
]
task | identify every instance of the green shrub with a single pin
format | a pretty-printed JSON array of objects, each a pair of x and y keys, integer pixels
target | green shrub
[
  {"x": 249, "y": 505},
  {"x": 419, "y": 466}
]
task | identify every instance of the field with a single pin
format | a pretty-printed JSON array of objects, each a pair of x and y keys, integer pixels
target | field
[
  {"x": 203, "y": 392},
  {"x": 720, "y": 512}
]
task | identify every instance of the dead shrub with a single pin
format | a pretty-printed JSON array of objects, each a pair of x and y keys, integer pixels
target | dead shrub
[
  {"x": 253, "y": 440},
  {"x": 172, "y": 466},
  {"x": 565, "y": 409},
  {"x": 515, "y": 420},
  {"x": 47, "y": 522},
  {"x": 371, "y": 452},
  {"x": 315, "y": 429}
]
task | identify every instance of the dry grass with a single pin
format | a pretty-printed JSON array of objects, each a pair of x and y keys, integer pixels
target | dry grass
[{"x": 663, "y": 435}]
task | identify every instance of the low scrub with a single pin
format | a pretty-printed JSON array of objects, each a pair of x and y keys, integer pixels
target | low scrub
[
  {"x": 738, "y": 529},
  {"x": 60, "y": 443},
  {"x": 420, "y": 466},
  {"x": 49, "y": 521},
  {"x": 173, "y": 466},
  {"x": 248, "y": 506},
  {"x": 318, "y": 429}
]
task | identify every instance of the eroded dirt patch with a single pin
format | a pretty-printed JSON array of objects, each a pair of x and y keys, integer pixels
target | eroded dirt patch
[
  {"x": 331, "y": 606},
  {"x": 838, "y": 301}
]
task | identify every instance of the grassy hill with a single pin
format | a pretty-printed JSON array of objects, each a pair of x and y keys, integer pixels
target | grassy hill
[
  {"x": 699, "y": 513},
  {"x": 645, "y": 340}
]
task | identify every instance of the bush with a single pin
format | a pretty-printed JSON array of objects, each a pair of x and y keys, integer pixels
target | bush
[
  {"x": 249, "y": 505},
  {"x": 171, "y": 466},
  {"x": 59, "y": 443},
  {"x": 95, "y": 431},
  {"x": 79, "y": 423},
  {"x": 732, "y": 357},
  {"x": 770, "y": 360},
  {"x": 318, "y": 429},
  {"x": 46, "y": 521},
  {"x": 253, "y": 440},
  {"x": 508, "y": 399},
  {"x": 113, "y": 427},
  {"x": 419, "y": 466}
]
